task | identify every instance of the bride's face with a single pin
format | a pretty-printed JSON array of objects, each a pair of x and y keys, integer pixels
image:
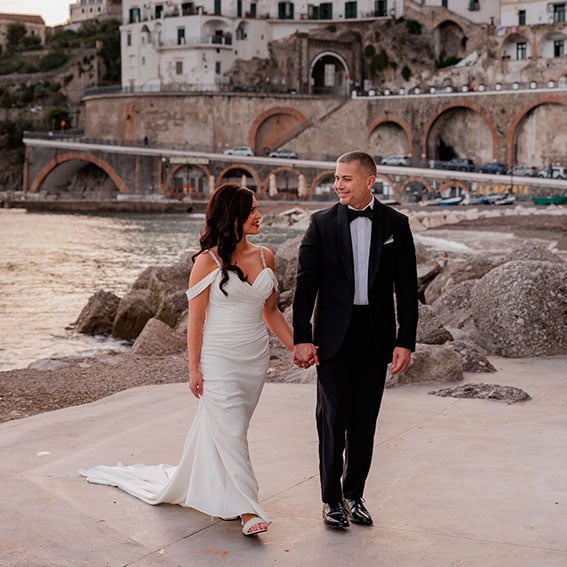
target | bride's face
[{"x": 252, "y": 223}]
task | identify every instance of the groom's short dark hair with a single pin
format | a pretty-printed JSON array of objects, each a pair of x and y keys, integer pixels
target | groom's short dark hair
[{"x": 365, "y": 160}]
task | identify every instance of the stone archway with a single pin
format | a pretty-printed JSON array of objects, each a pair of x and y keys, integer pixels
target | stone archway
[
  {"x": 389, "y": 135},
  {"x": 70, "y": 164},
  {"x": 530, "y": 144},
  {"x": 190, "y": 179},
  {"x": 239, "y": 173},
  {"x": 449, "y": 40},
  {"x": 274, "y": 128},
  {"x": 415, "y": 188},
  {"x": 322, "y": 186},
  {"x": 284, "y": 183},
  {"x": 443, "y": 138},
  {"x": 329, "y": 74}
]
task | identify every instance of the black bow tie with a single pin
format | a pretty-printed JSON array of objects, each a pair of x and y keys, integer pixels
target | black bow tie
[{"x": 354, "y": 213}]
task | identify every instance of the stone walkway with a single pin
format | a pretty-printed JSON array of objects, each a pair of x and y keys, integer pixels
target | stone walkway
[{"x": 455, "y": 482}]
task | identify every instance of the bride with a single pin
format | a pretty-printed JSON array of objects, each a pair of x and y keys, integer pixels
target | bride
[{"x": 232, "y": 298}]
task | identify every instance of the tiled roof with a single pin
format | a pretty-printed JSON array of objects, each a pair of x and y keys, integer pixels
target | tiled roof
[{"x": 23, "y": 18}]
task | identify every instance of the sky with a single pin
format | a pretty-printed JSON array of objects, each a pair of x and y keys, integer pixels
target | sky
[{"x": 54, "y": 12}]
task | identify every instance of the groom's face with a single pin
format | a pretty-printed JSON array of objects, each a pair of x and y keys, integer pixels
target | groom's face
[{"x": 353, "y": 184}]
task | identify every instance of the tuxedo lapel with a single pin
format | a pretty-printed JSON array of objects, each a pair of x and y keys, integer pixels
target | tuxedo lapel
[
  {"x": 345, "y": 242},
  {"x": 375, "y": 242}
]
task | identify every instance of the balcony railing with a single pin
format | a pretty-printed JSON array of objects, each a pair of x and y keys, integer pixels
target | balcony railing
[{"x": 202, "y": 40}]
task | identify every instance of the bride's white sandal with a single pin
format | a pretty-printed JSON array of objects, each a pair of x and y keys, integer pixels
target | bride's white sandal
[{"x": 247, "y": 527}]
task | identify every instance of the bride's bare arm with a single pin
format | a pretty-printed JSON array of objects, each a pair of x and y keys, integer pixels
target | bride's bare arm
[
  {"x": 272, "y": 315},
  {"x": 204, "y": 264}
]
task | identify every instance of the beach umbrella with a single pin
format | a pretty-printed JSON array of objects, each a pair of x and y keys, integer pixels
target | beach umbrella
[{"x": 272, "y": 186}]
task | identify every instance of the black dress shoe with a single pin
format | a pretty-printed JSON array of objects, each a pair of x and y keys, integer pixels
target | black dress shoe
[
  {"x": 357, "y": 512},
  {"x": 335, "y": 516}
]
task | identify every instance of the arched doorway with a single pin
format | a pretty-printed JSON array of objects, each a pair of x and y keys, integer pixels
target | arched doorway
[{"x": 329, "y": 74}]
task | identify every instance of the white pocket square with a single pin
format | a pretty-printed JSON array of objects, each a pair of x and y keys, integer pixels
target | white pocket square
[{"x": 388, "y": 241}]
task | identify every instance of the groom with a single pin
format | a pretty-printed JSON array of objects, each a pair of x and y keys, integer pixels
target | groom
[{"x": 353, "y": 258}]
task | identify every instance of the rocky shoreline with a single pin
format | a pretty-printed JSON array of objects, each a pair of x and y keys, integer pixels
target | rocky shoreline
[{"x": 53, "y": 384}]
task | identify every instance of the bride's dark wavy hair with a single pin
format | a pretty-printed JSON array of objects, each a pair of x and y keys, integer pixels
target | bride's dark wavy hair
[{"x": 227, "y": 211}]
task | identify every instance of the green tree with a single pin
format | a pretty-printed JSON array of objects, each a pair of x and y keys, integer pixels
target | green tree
[{"x": 16, "y": 31}]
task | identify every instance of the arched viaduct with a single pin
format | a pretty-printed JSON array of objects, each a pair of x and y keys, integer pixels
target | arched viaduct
[{"x": 187, "y": 134}]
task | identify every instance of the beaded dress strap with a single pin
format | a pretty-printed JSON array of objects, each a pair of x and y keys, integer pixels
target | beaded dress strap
[
  {"x": 213, "y": 256},
  {"x": 262, "y": 256}
]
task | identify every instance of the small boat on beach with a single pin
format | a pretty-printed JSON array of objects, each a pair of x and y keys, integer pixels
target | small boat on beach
[{"x": 553, "y": 200}]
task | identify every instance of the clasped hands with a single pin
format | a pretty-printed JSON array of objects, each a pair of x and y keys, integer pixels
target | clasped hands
[{"x": 305, "y": 355}]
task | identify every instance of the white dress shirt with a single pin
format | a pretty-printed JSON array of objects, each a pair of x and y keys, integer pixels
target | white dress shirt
[{"x": 360, "y": 233}]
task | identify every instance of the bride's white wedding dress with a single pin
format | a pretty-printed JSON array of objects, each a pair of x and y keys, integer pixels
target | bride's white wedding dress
[{"x": 215, "y": 475}]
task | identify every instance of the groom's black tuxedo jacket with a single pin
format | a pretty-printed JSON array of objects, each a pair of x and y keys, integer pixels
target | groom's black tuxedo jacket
[{"x": 325, "y": 279}]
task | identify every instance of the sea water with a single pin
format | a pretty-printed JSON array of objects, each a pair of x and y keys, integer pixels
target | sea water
[{"x": 50, "y": 264}]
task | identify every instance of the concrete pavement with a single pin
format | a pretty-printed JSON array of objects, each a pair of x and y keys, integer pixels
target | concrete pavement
[{"x": 454, "y": 482}]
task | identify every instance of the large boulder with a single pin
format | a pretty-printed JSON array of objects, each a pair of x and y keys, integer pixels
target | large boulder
[
  {"x": 472, "y": 356},
  {"x": 158, "y": 339},
  {"x": 158, "y": 292},
  {"x": 520, "y": 309},
  {"x": 454, "y": 306},
  {"x": 286, "y": 268},
  {"x": 134, "y": 311},
  {"x": 97, "y": 316},
  {"x": 421, "y": 253},
  {"x": 530, "y": 250},
  {"x": 430, "y": 363},
  {"x": 430, "y": 329},
  {"x": 458, "y": 271}
]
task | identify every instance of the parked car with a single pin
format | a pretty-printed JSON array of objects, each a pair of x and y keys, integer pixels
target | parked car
[
  {"x": 521, "y": 170},
  {"x": 239, "y": 151},
  {"x": 557, "y": 172},
  {"x": 493, "y": 169},
  {"x": 396, "y": 160},
  {"x": 458, "y": 164},
  {"x": 285, "y": 154}
]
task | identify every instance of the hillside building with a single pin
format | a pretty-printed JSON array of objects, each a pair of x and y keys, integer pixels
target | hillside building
[
  {"x": 85, "y": 10},
  {"x": 35, "y": 25}
]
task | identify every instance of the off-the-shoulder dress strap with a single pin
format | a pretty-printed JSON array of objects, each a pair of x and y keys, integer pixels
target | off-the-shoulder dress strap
[
  {"x": 203, "y": 284},
  {"x": 263, "y": 257}
]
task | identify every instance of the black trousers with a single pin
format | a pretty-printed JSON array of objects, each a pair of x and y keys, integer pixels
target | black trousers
[{"x": 349, "y": 392}]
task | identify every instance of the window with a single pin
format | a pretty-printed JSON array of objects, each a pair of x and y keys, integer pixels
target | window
[
  {"x": 326, "y": 11},
  {"x": 285, "y": 11},
  {"x": 180, "y": 36},
  {"x": 350, "y": 10},
  {"x": 133, "y": 15},
  {"x": 381, "y": 8},
  {"x": 558, "y": 48},
  {"x": 187, "y": 9},
  {"x": 217, "y": 67},
  {"x": 521, "y": 17},
  {"x": 239, "y": 9},
  {"x": 253, "y": 10},
  {"x": 559, "y": 13},
  {"x": 218, "y": 7},
  {"x": 179, "y": 67},
  {"x": 521, "y": 50},
  {"x": 129, "y": 39},
  {"x": 445, "y": 3},
  {"x": 159, "y": 11},
  {"x": 143, "y": 60}
]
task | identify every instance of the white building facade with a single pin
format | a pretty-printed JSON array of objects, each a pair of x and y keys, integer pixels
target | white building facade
[
  {"x": 191, "y": 45},
  {"x": 477, "y": 11},
  {"x": 85, "y": 10}
]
